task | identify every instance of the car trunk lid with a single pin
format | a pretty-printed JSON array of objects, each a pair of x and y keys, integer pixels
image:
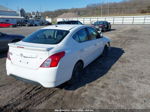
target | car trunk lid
[{"x": 29, "y": 55}]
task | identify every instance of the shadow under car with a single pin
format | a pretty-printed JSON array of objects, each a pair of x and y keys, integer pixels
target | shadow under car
[{"x": 97, "y": 68}]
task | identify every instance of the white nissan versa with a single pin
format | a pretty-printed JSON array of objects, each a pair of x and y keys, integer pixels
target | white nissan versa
[{"x": 55, "y": 54}]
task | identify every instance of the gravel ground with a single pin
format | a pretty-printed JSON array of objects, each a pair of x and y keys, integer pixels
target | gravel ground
[{"x": 118, "y": 81}]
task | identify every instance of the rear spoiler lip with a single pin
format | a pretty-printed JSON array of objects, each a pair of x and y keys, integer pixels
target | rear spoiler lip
[{"x": 29, "y": 47}]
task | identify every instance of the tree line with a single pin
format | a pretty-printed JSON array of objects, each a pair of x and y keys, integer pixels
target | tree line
[{"x": 125, "y": 7}]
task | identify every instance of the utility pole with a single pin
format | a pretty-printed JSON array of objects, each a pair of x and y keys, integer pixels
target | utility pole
[
  {"x": 108, "y": 7},
  {"x": 101, "y": 8},
  {"x": 18, "y": 10}
]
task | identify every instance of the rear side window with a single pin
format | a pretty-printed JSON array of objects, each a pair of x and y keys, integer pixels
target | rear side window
[
  {"x": 81, "y": 35},
  {"x": 46, "y": 36}
]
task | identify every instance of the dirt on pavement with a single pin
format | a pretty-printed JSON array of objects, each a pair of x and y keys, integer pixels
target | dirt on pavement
[{"x": 118, "y": 81}]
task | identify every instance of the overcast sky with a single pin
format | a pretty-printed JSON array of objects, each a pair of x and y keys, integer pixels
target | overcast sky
[{"x": 49, "y": 5}]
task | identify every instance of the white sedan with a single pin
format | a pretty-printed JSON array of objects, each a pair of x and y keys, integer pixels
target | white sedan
[{"x": 55, "y": 54}]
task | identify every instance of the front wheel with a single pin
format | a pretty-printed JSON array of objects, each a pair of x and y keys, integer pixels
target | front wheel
[{"x": 105, "y": 51}]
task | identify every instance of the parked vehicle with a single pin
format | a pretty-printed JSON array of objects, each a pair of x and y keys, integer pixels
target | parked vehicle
[
  {"x": 102, "y": 25},
  {"x": 7, "y": 38},
  {"x": 37, "y": 23},
  {"x": 5, "y": 25},
  {"x": 55, "y": 54},
  {"x": 21, "y": 23},
  {"x": 69, "y": 22},
  {"x": 29, "y": 23},
  {"x": 47, "y": 23}
]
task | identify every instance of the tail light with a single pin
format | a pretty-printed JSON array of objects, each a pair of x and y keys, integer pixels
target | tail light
[
  {"x": 20, "y": 47},
  {"x": 8, "y": 55},
  {"x": 53, "y": 60}
]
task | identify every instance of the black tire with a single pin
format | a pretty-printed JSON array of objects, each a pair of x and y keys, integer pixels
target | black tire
[
  {"x": 105, "y": 51},
  {"x": 77, "y": 71}
]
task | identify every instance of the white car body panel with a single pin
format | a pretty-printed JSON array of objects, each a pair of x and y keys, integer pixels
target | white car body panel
[{"x": 25, "y": 62}]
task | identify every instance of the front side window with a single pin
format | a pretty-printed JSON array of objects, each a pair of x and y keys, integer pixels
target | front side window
[
  {"x": 81, "y": 35},
  {"x": 46, "y": 36},
  {"x": 93, "y": 34}
]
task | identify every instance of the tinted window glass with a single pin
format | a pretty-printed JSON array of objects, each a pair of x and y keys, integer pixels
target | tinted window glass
[
  {"x": 46, "y": 36},
  {"x": 69, "y": 22},
  {"x": 93, "y": 34},
  {"x": 81, "y": 36},
  {"x": 61, "y": 22},
  {"x": 105, "y": 23},
  {"x": 98, "y": 22},
  {"x": 79, "y": 23},
  {"x": 72, "y": 22},
  {"x": 76, "y": 37}
]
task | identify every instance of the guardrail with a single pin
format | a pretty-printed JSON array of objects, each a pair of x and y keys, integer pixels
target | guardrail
[{"x": 113, "y": 20}]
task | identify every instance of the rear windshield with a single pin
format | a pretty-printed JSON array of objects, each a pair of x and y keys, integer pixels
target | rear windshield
[
  {"x": 46, "y": 36},
  {"x": 61, "y": 22}
]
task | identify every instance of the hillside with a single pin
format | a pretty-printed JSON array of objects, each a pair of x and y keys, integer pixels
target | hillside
[{"x": 125, "y": 7}]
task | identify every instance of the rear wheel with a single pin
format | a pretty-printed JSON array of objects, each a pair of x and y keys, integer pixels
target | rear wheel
[{"x": 77, "y": 70}]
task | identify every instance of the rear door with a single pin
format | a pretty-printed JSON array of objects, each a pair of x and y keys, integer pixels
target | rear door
[{"x": 86, "y": 47}]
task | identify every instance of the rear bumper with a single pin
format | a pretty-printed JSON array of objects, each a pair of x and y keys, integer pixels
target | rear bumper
[{"x": 47, "y": 77}]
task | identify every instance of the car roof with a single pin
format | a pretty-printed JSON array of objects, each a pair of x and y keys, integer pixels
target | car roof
[
  {"x": 101, "y": 21},
  {"x": 68, "y": 20},
  {"x": 63, "y": 27}
]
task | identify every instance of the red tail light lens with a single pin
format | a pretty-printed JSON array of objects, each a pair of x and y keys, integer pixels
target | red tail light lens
[
  {"x": 20, "y": 47},
  {"x": 53, "y": 60}
]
